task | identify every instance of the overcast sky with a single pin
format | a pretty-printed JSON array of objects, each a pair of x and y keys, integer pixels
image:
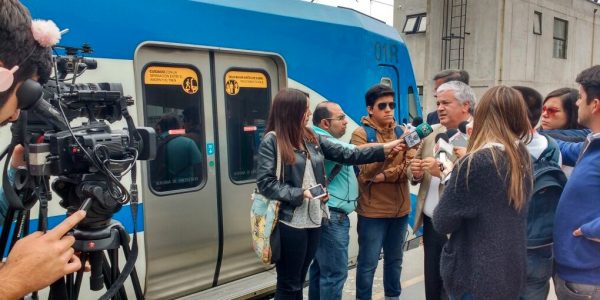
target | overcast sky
[{"x": 380, "y": 9}]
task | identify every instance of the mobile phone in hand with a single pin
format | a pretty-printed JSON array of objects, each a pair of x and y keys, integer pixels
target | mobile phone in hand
[{"x": 317, "y": 191}]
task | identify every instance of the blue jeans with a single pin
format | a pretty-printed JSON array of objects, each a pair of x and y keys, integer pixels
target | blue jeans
[
  {"x": 465, "y": 296},
  {"x": 375, "y": 234},
  {"x": 575, "y": 291},
  {"x": 329, "y": 269},
  {"x": 539, "y": 272}
]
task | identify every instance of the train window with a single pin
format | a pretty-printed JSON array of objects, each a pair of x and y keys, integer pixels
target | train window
[
  {"x": 247, "y": 101},
  {"x": 412, "y": 104},
  {"x": 173, "y": 106}
]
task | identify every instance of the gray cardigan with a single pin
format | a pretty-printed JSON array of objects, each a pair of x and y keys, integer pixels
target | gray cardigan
[{"x": 486, "y": 253}]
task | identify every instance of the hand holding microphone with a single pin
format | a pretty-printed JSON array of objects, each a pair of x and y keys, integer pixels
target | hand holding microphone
[
  {"x": 443, "y": 150},
  {"x": 415, "y": 136}
]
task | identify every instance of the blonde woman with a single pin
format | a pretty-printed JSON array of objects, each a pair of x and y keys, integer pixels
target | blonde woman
[{"x": 483, "y": 204}]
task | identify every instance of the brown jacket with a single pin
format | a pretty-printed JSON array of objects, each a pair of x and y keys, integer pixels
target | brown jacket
[{"x": 388, "y": 199}]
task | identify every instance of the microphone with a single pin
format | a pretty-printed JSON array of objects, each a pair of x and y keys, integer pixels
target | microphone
[
  {"x": 443, "y": 149},
  {"x": 417, "y": 121},
  {"x": 463, "y": 127},
  {"x": 30, "y": 96},
  {"x": 415, "y": 136},
  {"x": 457, "y": 138}
]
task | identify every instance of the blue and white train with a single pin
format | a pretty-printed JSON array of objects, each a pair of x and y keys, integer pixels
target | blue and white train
[{"x": 225, "y": 60}]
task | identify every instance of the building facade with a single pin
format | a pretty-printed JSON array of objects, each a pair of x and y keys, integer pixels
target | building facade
[{"x": 542, "y": 44}]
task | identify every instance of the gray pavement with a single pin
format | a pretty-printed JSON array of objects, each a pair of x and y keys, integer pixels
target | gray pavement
[{"x": 413, "y": 285}]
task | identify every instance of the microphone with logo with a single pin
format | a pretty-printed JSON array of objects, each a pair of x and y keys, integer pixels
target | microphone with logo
[
  {"x": 443, "y": 150},
  {"x": 416, "y": 135}
]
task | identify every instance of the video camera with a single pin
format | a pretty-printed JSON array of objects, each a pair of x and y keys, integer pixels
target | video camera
[{"x": 89, "y": 159}]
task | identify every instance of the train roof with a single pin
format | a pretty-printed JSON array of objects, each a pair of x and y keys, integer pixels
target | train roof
[{"x": 318, "y": 42}]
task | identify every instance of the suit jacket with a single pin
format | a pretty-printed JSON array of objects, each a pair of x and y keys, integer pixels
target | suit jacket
[{"x": 426, "y": 150}]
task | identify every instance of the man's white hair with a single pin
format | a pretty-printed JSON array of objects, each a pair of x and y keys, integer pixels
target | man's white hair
[{"x": 462, "y": 92}]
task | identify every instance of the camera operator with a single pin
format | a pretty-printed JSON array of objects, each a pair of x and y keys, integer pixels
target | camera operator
[{"x": 37, "y": 259}]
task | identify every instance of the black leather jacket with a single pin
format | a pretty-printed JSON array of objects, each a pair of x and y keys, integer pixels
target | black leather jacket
[{"x": 289, "y": 191}]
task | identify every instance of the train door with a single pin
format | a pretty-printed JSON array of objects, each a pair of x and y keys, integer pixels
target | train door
[
  {"x": 245, "y": 86},
  {"x": 209, "y": 109}
]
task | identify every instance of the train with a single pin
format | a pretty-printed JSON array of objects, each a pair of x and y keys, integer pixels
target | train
[{"x": 223, "y": 61}]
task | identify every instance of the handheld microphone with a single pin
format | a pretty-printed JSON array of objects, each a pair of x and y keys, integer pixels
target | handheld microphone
[
  {"x": 415, "y": 136},
  {"x": 463, "y": 127},
  {"x": 443, "y": 149},
  {"x": 417, "y": 121},
  {"x": 457, "y": 138}
]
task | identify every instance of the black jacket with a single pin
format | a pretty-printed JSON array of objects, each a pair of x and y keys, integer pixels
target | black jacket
[{"x": 289, "y": 191}]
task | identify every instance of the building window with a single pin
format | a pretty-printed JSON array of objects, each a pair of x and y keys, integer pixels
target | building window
[
  {"x": 560, "y": 38},
  {"x": 537, "y": 22},
  {"x": 415, "y": 23}
]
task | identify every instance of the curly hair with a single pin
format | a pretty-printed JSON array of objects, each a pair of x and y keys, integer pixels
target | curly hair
[{"x": 18, "y": 46}]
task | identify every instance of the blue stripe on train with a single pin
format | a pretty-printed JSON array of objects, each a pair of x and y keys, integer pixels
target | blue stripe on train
[{"x": 123, "y": 216}]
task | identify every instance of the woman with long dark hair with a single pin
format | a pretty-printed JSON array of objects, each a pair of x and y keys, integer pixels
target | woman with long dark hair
[
  {"x": 559, "y": 110},
  {"x": 302, "y": 154},
  {"x": 483, "y": 204}
]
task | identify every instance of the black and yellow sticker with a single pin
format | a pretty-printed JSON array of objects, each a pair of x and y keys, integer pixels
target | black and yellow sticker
[
  {"x": 184, "y": 77},
  {"x": 234, "y": 80}
]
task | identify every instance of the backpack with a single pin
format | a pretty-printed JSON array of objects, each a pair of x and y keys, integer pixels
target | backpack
[
  {"x": 160, "y": 172},
  {"x": 548, "y": 183},
  {"x": 372, "y": 134},
  {"x": 372, "y": 138}
]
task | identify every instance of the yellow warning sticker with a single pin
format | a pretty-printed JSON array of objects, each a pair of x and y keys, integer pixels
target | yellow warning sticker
[
  {"x": 234, "y": 80},
  {"x": 184, "y": 77}
]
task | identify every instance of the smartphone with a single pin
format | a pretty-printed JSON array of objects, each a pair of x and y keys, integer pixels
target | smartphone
[{"x": 317, "y": 191}]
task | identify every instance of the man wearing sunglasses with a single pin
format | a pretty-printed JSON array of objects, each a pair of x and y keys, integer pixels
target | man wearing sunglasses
[
  {"x": 577, "y": 221},
  {"x": 38, "y": 259},
  {"x": 384, "y": 202}
]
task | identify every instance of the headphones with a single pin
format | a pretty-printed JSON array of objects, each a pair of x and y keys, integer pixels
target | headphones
[
  {"x": 7, "y": 78},
  {"x": 28, "y": 93}
]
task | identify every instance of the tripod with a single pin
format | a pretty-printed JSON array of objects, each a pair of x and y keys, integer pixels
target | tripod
[{"x": 92, "y": 244}]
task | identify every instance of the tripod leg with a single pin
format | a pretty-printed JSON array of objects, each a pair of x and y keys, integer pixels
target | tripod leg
[
  {"x": 6, "y": 228},
  {"x": 83, "y": 257},
  {"x": 114, "y": 261},
  {"x": 135, "y": 281}
]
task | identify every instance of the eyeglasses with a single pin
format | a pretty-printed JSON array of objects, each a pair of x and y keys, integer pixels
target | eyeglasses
[
  {"x": 550, "y": 110},
  {"x": 383, "y": 105},
  {"x": 340, "y": 118}
]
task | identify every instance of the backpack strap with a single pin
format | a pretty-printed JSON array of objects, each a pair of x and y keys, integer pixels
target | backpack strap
[
  {"x": 372, "y": 134},
  {"x": 552, "y": 152},
  {"x": 399, "y": 132},
  {"x": 336, "y": 170}
]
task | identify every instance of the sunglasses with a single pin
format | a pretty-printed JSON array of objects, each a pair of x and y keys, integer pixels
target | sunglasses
[
  {"x": 383, "y": 105},
  {"x": 550, "y": 110}
]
